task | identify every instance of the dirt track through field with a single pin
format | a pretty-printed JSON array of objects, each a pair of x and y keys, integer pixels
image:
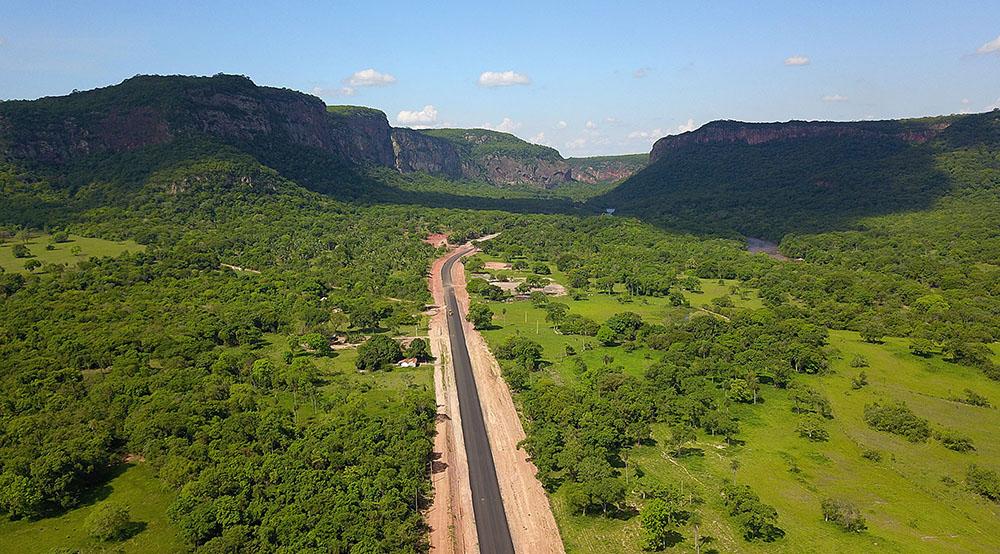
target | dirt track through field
[{"x": 531, "y": 525}]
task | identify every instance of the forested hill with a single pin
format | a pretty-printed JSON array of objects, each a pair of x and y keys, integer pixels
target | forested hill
[
  {"x": 293, "y": 132},
  {"x": 769, "y": 179}
]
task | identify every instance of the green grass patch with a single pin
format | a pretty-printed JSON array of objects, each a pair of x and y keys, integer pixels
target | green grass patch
[
  {"x": 377, "y": 390},
  {"x": 63, "y": 252},
  {"x": 913, "y": 499},
  {"x": 137, "y": 487}
]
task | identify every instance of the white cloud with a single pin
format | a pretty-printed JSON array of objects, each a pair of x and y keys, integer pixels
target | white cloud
[
  {"x": 641, "y": 72},
  {"x": 424, "y": 117},
  {"x": 645, "y": 136},
  {"x": 590, "y": 125},
  {"x": 797, "y": 60},
  {"x": 502, "y": 79},
  {"x": 369, "y": 78},
  {"x": 989, "y": 47},
  {"x": 686, "y": 126},
  {"x": 3, "y": 41},
  {"x": 835, "y": 98},
  {"x": 508, "y": 125},
  {"x": 538, "y": 139},
  {"x": 561, "y": 125},
  {"x": 966, "y": 101},
  {"x": 577, "y": 143},
  {"x": 329, "y": 92}
]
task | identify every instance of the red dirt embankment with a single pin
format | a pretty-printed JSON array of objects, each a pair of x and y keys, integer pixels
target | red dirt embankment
[{"x": 532, "y": 526}]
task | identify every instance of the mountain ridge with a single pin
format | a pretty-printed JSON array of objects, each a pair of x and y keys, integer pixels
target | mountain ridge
[{"x": 151, "y": 110}]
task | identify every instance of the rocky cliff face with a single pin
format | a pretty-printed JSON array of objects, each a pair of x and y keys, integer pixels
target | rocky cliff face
[
  {"x": 500, "y": 169},
  {"x": 415, "y": 151},
  {"x": 503, "y": 159},
  {"x": 150, "y": 110},
  {"x": 759, "y": 133},
  {"x": 606, "y": 169}
]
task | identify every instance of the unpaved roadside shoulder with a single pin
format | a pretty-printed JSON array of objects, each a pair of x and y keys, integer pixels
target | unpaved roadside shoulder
[
  {"x": 532, "y": 526},
  {"x": 450, "y": 517}
]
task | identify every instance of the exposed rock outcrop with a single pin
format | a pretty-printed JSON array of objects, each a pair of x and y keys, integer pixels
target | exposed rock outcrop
[
  {"x": 759, "y": 133},
  {"x": 500, "y": 169},
  {"x": 503, "y": 159},
  {"x": 150, "y": 110},
  {"x": 415, "y": 151},
  {"x": 606, "y": 169},
  {"x": 271, "y": 124}
]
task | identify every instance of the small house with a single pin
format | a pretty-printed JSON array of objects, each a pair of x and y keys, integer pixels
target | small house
[{"x": 408, "y": 362}]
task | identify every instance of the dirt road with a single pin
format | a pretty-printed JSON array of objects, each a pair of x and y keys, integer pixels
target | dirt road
[{"x": 525, "y": 510}]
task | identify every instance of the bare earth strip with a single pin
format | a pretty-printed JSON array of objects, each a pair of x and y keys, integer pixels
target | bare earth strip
[
  {"x": 532, "y": 526},
  {"x": 450, "y": 518}
]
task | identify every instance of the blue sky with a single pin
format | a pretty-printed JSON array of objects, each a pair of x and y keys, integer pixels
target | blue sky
[{"x": 585, "y": 77}]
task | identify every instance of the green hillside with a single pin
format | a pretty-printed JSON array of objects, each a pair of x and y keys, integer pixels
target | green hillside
[
  {"x": 477, "y": 144},
  {"x": 805, "y": 184}
]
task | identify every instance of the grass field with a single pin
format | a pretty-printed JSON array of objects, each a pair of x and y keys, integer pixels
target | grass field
[
  {"x": 913, "y": 499},
  {"x": 137, "y": 487},
  {"x": 62, "y": 252},
  {"x": 379, "y": 389}
]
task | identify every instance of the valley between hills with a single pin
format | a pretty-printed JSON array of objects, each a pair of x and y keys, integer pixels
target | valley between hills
[{"x": 238, "y": 319}]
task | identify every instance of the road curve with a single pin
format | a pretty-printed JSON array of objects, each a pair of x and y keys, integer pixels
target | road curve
[{"x": 487, "y": 505}]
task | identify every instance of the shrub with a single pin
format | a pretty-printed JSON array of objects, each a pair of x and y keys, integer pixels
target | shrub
[
  {"x": 973, "y": 398},
  {"x": 574, "y": 324},
  {"x": 859, "y": 382},
  {"x": 541, "y": 269},
  {"x": 108, "y": 522},
  {"x": 859, "y": 361},
  {"x": 480, "y": 315},
  {"x": 844, "y": 515},
  {"x": 953, "y": 440},
  {"x": 809, "y": 401},
  {"x": 872, "y": 454},
  {"x": 897, "y": 418},
  {"x": 21, "y": 251},
  {"x": 757, "y": 519},
  {"x": 983, "y": 482},
  {"x": 921, "y": 347},
  {"x": 813, "y": 427}
]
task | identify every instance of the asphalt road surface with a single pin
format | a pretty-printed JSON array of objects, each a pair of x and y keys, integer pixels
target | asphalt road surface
[{"x": 491, "y": 522}]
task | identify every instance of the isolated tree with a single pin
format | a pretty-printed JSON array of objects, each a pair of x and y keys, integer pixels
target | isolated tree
[
  {"x": 418, "y": 349},
  {"x": 694, "y": 520},
  {"x": 659, "y": 519},
  {"x": 843, "y": 514},
  {"x": 21, "y": 251},
  {"x": 681, "y": 435},
  {"x": 812, "y": 427},
  {"x": 109, "y": 521},
  {"x": 525, "y": 351},
  {"x": 32, "y": 264},
  {"x": 480, "y": 315},
  {"x": 378, "y": 352}
]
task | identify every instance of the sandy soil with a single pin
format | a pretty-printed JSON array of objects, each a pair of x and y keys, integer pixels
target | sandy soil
[
  {"x": 450, "y": 517},
  {"x": 497, "y": 265},
  {"x": 529, "y": 516}
]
